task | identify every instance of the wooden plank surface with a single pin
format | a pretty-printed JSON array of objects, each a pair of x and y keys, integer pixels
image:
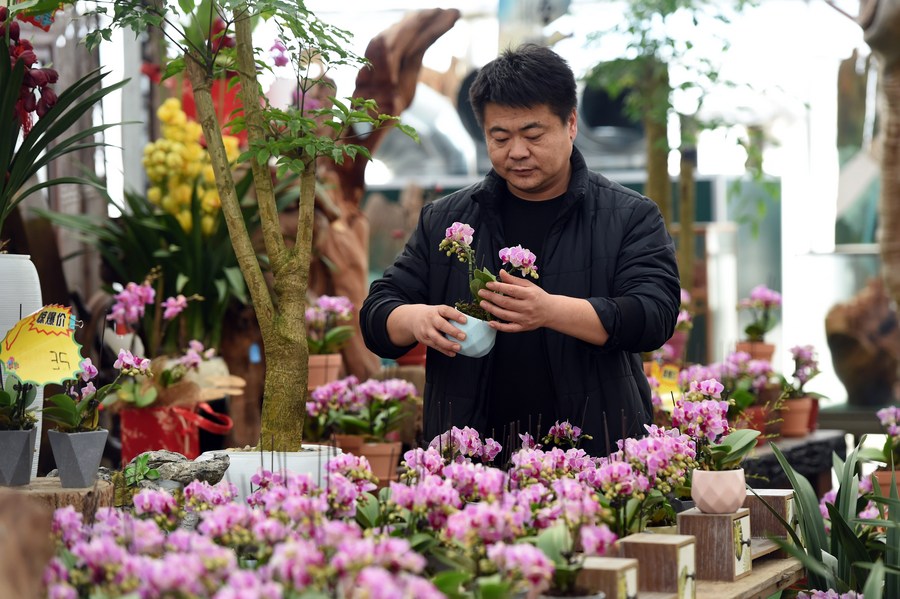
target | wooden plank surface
[{"x": 767, "y": 577}]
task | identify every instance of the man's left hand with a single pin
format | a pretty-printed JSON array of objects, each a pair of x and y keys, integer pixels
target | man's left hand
[{"x": 519, "y": 303}]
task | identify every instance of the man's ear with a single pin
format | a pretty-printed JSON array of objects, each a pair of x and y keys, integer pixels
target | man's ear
[{"x": 572, "y": 124}]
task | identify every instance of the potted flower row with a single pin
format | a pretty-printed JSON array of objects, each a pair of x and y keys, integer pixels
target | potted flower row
[{"x": 363, "y": 419}]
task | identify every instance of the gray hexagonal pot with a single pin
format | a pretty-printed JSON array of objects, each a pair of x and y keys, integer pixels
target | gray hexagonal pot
[
  {"x": 16, "y": 457},
  {"x": 77, "y": 456}
]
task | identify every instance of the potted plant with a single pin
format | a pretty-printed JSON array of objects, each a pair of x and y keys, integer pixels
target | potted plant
[
  {"x": 325, "y": 337},
  {"x": 761, "y": 304},
  {"x": 717, "y": 483},
  {"x": 889, "y": 454},
  {"x": 362, "y": 418},
  {"x": 847, "y": 541},
  {"x": 683, "y": 326},
  {"x": 17, "y": 431},
  {"x": 458, "y": 241},
  {"x": 75, "y": 438},
  {"x": 800, "y": 407}
]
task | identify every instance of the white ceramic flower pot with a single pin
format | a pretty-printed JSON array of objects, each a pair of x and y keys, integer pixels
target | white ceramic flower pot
[
  {"x": 20, "y": 295},
  {"x": 244, "y": 464},
  {"x": 479, "y": 337},
  {"x": 718, "y": 492}
]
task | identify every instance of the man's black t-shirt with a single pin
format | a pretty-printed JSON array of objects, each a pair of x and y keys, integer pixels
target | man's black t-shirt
[{"x": 522, "y": 392}]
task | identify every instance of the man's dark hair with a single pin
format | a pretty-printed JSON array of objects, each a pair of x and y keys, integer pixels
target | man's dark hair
[{"x": 528, "y": 76}]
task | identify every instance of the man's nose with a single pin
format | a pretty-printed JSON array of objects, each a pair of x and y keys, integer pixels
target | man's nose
[{"x": 519, "y": 148}]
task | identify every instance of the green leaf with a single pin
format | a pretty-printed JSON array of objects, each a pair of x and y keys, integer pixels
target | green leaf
[{"x": 451, "y": 583}]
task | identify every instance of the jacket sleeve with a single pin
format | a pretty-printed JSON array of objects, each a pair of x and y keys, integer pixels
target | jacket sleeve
[
  {"x": 641, "y": 314},
  {"x": 404, "y": 282}
]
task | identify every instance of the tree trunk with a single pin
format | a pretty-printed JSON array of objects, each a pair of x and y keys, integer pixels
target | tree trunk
[
  {"x": 880, "y": 20},
  {"x": 687, "y": 197},
  {"x": 889, "y": 210},
  {"x": 655, "y": 92}
]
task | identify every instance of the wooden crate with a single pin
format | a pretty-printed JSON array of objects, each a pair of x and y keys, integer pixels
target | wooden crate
[
  {"x": 723, "y": 543},
  {"x": 667, "y": 563},
  {"x": 765, "y": 524},
  {"x": 616, "y": 577}
]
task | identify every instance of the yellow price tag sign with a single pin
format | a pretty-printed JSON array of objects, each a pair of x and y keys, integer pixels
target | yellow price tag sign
[
  {"x": 41, "y": 348},
  {"x": 667, "y": 377}
]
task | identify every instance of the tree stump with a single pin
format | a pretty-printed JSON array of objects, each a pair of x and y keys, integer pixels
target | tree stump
[
  {"x": 25, "y": 545},
  {"x": 47, "y": 492}
]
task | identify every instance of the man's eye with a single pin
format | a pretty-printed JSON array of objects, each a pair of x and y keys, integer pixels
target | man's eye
[
  {"x": 533, "y": 137},
  {"x": 501, "y": 140}
]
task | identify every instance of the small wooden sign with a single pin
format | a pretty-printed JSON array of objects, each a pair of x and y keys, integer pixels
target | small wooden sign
[
  {"x": 723, "y": 542},
  {"x": 615, "y": 577},
  {"x": 765, "y": 524},
  {"x": 667, "y": 563}
]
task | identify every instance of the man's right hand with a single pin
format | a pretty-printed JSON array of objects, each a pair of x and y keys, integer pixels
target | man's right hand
[{"x": 427, "y": 325}]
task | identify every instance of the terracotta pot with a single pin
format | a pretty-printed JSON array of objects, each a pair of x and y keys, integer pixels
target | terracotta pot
[
  {"x": 415, "y": 356},
  {"x": 884, "y": 480},
  {"x": 758, "y": 350},
  {"x": 718, "y": 492},
  {"x": 761, "y": 418},
  {"x": 795, "y": 414},
  {"x": 814, "y": 415},
  {"x": 383, "y": 457},
  {"x": 323, "y": 368}
]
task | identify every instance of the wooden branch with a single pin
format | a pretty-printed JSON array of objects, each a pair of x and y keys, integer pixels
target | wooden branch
[
  {"x": 256, "y": 131},
  {"x": 237, "y": 228}
]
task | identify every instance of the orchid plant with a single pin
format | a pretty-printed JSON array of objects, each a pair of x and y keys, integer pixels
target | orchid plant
[
  {"x": 702, "y": 415},
  {"x": 324, "y": 334},
  {"x": 372, "y": 408},
  {"x": 806, "y": 367},
  {"x": 76, "y": 410},
  {"x": 458, "y": 241},
  {"x": 761, "y": 304},
  {"x": 889, "y": 453}
]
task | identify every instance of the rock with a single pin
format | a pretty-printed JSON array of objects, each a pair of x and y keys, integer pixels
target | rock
[{"x": 174, "y": 466}]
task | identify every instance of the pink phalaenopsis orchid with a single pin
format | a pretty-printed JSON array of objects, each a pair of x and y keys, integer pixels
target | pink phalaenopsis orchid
[{"x": 520, "y": 259}]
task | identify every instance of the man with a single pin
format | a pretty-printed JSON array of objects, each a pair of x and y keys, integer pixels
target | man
[{"x": 566, "y": 343}]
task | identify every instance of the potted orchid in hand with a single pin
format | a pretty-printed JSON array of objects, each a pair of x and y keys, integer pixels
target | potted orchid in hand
[
  {"x": 76, "y": 440},
  {"x": 762, "y": 304},
  {"x": 717, "y": 484},
  {"x": 458, "y": 241}
]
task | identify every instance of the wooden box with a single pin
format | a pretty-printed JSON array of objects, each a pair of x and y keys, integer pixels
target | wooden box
[
  {"x": 723, "y": 543},
  {"x": 765, "y": 524},
  {"x": 667, "y": 563},
  {"x": 616, "y": 577}
]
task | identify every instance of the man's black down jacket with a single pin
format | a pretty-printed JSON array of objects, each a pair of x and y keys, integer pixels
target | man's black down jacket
[{"x": 608, "y": 245}]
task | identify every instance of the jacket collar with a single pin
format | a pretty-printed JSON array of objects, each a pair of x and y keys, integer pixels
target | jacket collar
[{"x": 487, "y": 192}]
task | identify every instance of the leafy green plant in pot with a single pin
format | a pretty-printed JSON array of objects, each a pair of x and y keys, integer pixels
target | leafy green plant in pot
[
  {"x": 325, "y": 337},
  {"x": 850, "y": 552},
  {"x": 294, "y": 138},
  {"x": 17, "y": 431},
  {"x": 26, "y": 147},
  {"x": 888, "y": 455},
  {"x": 75, "y": 438}
]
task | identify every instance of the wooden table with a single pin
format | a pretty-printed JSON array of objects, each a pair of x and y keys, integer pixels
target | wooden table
[{"x": 767, "y": 577}]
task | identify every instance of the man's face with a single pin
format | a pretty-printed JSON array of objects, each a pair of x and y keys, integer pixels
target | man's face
[{"x": 530, "y": 148}]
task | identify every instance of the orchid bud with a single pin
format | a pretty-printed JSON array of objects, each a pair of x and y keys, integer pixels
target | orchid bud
[
  {"x": 52, "y": 75},
  {"x": 37, "y": 77},
  {"x": 42, "y": 107},
  {"x": 28, "y": 78},
  {"x": 48, "y": 96},
  {"x": 14, "y": 31},
  {"x": 28, "y": 57},
  {"x": 28, "y": 101},
  {"x": 4, "y": 13}
]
